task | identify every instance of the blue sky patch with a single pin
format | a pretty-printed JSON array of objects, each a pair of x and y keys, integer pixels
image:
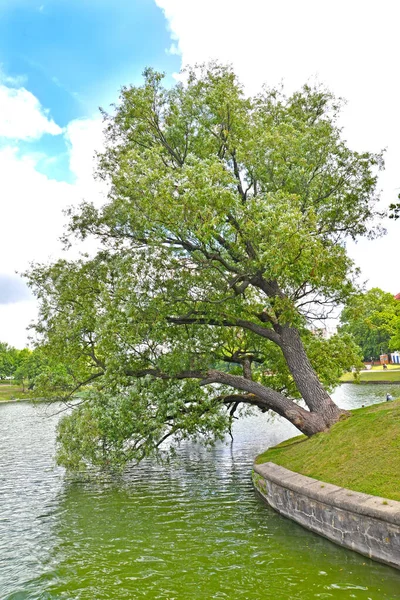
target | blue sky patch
[{"x": 74, "y": 56}]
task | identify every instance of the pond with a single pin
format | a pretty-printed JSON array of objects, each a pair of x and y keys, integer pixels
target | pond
[{"x": 192, "y": 529}]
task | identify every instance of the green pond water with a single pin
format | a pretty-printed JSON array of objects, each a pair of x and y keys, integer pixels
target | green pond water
[{"x": 193, "y": 529}]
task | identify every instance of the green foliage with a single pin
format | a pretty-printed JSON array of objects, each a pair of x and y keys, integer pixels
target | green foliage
[
  {"x": 110, "y": 429},
  {"x": 225, "y": 226},
  {"x": 334, "y": 356},
  {"x": 38, "y": 371},
  {"x": 373, "y": 319},
  {"x": 8, "y": 360},
  {"x": 395, "y": 210},
  {"x": 11, "y": 361}
]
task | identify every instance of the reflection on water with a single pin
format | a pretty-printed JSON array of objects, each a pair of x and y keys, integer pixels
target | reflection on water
[{"x": 191, "y": 529}]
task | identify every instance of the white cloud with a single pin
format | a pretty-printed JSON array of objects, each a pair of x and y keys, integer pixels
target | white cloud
[
  {"x": 85, "y": 138},
  {"x": 13, "y": 81},
  {"x": 22, "y": 117},
  {"x": 31, "y": 221},
  {"x": 352, "y": 47},
  {"x": 31, "y": 214},
  {"x": 31, "y": 211},
  {"x": 14, "y": 318},
  {"x": 32, "y": 203}
]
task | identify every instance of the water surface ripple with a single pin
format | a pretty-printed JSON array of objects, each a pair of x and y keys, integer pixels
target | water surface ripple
[{"x": 192, "y": 529}]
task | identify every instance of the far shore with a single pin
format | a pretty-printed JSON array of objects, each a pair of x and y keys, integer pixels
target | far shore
[
  {"x": 381, "y": 382},
  {"x": 16, "y": 400},
  {"x": 376, "y": 375}
]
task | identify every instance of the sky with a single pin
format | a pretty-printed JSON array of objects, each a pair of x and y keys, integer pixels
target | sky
[{"x": 60, "y": 60}]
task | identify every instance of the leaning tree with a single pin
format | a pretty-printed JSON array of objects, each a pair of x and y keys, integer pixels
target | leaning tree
[{"x": 221, "y": 243}]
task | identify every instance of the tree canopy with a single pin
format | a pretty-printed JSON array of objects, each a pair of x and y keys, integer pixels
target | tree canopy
[
  {"x": 222, "y": 246},
  {"x": 8, "y": 360},
  {"x": 11, "y": 360},
  {"x": 373, "y": 319}
]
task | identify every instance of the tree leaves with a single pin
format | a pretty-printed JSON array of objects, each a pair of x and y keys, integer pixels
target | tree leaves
[
  {"x": 373, "y": 319},
  {"x": 225, "y": 226}
]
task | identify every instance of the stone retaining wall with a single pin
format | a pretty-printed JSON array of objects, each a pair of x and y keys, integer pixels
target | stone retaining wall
[{"x": 367, "y": 524}]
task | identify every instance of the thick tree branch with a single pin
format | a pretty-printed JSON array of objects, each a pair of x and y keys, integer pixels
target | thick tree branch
[
  {"x": 233, "y": 400},
  {"x": 247, "y": 244},
  {"x": 237, "y": 175},
  {"x": 268, "y": 399},
  {"x": 247, "y": 372},
  {"x": 265, "y": 332}
]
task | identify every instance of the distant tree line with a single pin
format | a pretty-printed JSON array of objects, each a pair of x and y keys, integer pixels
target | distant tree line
[
  {"x": 10, "y": 360},
  {"x": 24, "y": 367},
  {"x": 373, "y": 320}
]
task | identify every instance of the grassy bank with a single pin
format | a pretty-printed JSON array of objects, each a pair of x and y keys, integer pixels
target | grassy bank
[
  {"x": 376, "y": 375},
  {"x": 361, "y": 453},
  {"x": 12, "y": 392}
]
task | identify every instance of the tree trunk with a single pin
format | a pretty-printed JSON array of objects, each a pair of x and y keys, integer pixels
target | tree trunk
[
  {"x": 308, "y": 422},
  {"x": 312, "y": 391}
]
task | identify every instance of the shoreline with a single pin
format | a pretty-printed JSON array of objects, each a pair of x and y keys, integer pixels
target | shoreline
[
  {"x": 16, "y": 401},
  {"x": 370, "y": 382},
  {"x": 369, "y": 525},
  {"x": 22, "y": 400},
  {"x": 343, "y": 484}
]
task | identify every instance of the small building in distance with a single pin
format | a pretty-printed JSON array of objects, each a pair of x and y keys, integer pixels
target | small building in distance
[
  {"x": 384, "y": 359},
  {"x": 395, "y": 358}
]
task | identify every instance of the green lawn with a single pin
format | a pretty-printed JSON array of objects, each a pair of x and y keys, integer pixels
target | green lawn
[
  {"x": 12, "y": 392},
  {"x": 377, "y": 374},
  {"x": 361, "y": 453}
]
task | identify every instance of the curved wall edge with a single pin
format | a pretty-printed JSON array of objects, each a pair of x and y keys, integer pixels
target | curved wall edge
[{"x": 369, "y": 525}]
